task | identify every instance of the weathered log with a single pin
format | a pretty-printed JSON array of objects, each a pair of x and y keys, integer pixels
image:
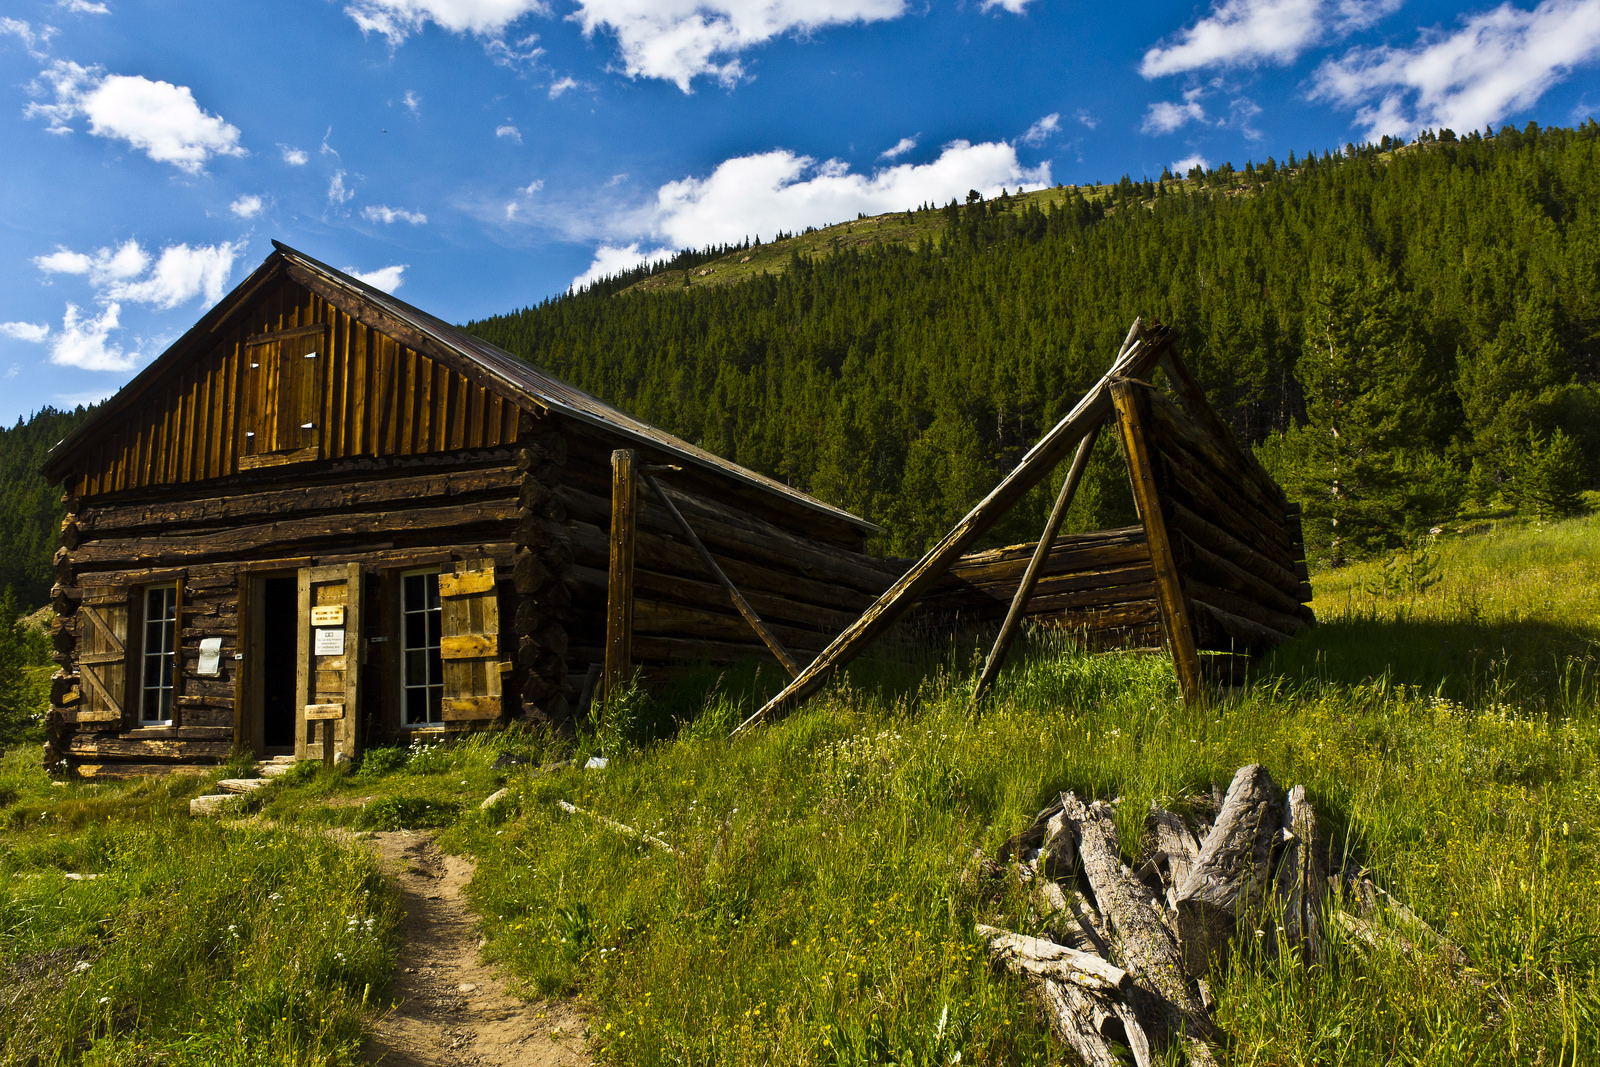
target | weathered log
[
  {"x": 1179, "y": 482},
  {"x": 676, "y": 620},
  {"x": 1179, "y": 849},
  {"x": 1241, "y": 605},
  {"x": 1214, "y": 538},
  {"x": 674, "y": 589},
  {"x": 109, "y": 748},
  {"x": 1237, "y": 633},
  {"x": 996, "y": 594},
  {"x": 1214, "y": 570},
  {"x": 901, "y": 596},
  {"x": 1078, "y": 1019},
  {"x": 620, "y": 827},
  {"x": 1302, "y": 876},
  {"x": 1147, "y": 948},
  {"x": 1227, "y": 884},
  {"x": 1221, "y": 453},
  {"x": 1101, "y": 550},
  {"x": 1046, "y": 959}
]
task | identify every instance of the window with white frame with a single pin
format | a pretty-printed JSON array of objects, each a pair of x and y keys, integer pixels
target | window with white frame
[
  {"x": 157, "y": 654},
  {"x": 421, "y": 668}
]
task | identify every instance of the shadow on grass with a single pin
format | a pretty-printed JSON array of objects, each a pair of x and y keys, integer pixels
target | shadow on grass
[{"x": 1536, "y": 664}]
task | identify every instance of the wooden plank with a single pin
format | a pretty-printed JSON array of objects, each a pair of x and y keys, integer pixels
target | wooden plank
[
  {"x": 1039, "y": 461},
  {"x": 302, "y": 661},
  {"x": 768, "y": 638},
  {"x": 1224, "y": 544},
  {"x": 318, "y": 712},
  {"x": 468, "y": 646},
  {"x": 465, "y": 709},
  {"x": 619, "y": 584},
  {"x": 1128, "y": 396},
  {"x": 464, "y": 584},
  {"x": 1200, "y": 410}
]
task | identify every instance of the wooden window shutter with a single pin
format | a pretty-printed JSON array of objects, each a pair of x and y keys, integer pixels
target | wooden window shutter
[
  {"x": 103, "y": 654},
  {"x": 470, "y": 643},
  {"x": 283, "y": 397}
]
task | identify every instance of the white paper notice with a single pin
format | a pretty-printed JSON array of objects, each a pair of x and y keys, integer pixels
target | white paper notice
[
  {"x": 329, "y": 642},
  {"x": 210, "y": 656}
]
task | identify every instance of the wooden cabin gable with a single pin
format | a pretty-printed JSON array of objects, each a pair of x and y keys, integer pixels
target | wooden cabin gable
[{"x": 288, "y": 378}]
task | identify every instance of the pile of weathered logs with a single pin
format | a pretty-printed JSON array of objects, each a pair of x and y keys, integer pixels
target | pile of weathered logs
[{"x": 1123, "y": 955}]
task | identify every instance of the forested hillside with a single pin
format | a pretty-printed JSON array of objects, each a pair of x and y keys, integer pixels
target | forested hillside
[
  {"x": 1404, "y": 331},
  {"x": 30, "y": 508}
]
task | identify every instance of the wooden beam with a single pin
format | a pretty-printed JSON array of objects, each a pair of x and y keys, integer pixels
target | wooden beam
[
  {"x": 1175, "y": 619},
  {"x": 1040, "y": 460},
  {"x": 767, "y": 637},
  {"x": 1030, "y": 577},
  {"x": 619, "y": 582}
]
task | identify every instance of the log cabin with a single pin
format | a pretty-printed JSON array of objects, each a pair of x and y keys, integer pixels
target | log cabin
[{"x": 324, "y": 519}]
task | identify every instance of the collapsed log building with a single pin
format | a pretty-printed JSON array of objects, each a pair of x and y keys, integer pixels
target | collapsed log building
[{"x": 324, "y": 519}]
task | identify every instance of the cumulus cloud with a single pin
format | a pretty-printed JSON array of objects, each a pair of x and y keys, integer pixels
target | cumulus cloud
[
  {"x": 1040, "y": 131},
  {"x": 1244, "y": 32},
  {"x": 510, "y": 131},
  {"x": 158, "y": 118},
  {"x": 247, "y": 206},
  {"x": 779, "y": 190},
  {"x": 338, "y": 193},
  {"x": 84, "y": 342},
  {"x": 84, "y": 7},
  {"x": 34, "y": 40},
  {"x": 25, "y": 331},
  {"x": 1164, "y": 116},
  {"x": 610, "y": 260},
  {"x": 1016, "y": 7},
  {"x": 561, "y": 85},
  {"x": 399, "y": 19},
  {"x": 901, "y": 147},
  {"x": 412, "y": 101},
  {"x": 1183, "y": 166},
  {"x": 680, "y": 40},
  {"x": 125, "y": 274},
  {"x": 387, "y": 279},
  {"x": 384, "y": 214},
  {"x": 294, "y": 157},
  {"x": 1498, "y": 62}
]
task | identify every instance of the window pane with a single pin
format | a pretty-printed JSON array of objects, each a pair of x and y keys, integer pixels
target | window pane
[
  {"x": 435, "y": 713},
  {"x": 416, "y": 630},
  {"x": 435, "y": 668},
  {"x": 416, "y": 666},
  {"x": 414, "y": 590},
  {"x": 433, "y": 590},
  {"x": 416, "y": 706},
  {"x": 434, "y": 618}
]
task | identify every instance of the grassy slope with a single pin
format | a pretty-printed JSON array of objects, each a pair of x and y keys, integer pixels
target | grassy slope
[{"x": 814, "y": 911}]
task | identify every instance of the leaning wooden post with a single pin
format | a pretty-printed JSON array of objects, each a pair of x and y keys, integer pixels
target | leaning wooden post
[
  {"x": 1030, "y": 577},
  {"x": 619, "y": 584},
  {"x": 1174, "y": 606},
  {"x": 327, "y": 743}
]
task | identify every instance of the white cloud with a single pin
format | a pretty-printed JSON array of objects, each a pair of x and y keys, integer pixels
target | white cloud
[
  {"x": 1164, "y": 116},
  {"x": 1040, "y": 131},
  {"x": 515, "y": 205},
  {"x": 384, "y": 214},
  {"x": 510, "y": 131},
  {"x": 1499, "y": 62},
  {"x": 1083, "y": 116},
  {"x": 901, "y": 147},
  {"x": 679, "y": 40},
  {"x": 337, "y": 193},
  {"x": 561, "y": 85},
  {"x": 84, "y": 7},
  {"x": 616, "y": 179},
  {"x": 387, "y": 279},
  {"x": 399, "y": 19},
  {"x": 35, "y": 41},
  {"x": 1252, "y": 31},
  {"x": 25, "y": 331},
  {"x": 294, "y": 157},
  {"x": 1016, "y": 7},
  {"x": 158, "y": 118},
  {"x": 523, "y": 52},
  {"x": 85, "y": 342},
  {"x": 412, "y": 101},
  {"x": 180, "y": 274},
  {"x": 247, "y": 206},
  {"x": 772, "y": 191},
  {"x": 1183, "y": 166},
  {"x": 610, "y": 260}
]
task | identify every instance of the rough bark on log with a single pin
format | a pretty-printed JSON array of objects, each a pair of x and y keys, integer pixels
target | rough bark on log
[
  {"x": 1302, "y": 876},
  {"x": 1046, "y": 959},
  {"x": 1178, "y": 849},
  {"x": 1078, "y": 1019},
  {"x": 1228, "y": 881},
  {"x": 1147, "y": 948}
]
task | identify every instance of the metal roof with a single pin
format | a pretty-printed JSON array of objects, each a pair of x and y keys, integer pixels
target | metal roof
[{"x": 515, "y": 379}]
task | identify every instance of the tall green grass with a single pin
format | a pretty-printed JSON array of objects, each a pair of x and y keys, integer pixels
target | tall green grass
[
  {"x": 132, "y": 934},
  {"x": 815, "y": 912}
]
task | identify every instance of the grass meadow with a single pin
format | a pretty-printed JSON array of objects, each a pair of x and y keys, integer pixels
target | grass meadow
[{"x": 812, "y": 907}]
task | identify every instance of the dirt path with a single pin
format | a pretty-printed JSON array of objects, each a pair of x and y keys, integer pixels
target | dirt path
[{"x": 452, "y": 1009}]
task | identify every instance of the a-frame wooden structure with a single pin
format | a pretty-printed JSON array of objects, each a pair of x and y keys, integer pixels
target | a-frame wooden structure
[{"x": 1225, "y": 548}]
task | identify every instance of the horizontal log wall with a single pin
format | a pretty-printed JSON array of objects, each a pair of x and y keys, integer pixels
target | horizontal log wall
[
  {"x": 1236, "y": 539},
  {"x": 387, "y": 514},
  {"x": 373, "y": 397},
  {"x": 1100, "y": 584}
]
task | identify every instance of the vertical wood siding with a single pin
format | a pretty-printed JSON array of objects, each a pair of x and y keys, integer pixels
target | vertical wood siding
[{"x": 373, "y": 397}]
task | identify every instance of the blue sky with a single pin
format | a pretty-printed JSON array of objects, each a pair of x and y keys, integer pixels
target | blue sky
[{"x": 479, "y": 155}]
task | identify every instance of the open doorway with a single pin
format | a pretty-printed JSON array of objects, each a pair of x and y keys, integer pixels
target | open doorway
[{"x": 279, "y": 645}]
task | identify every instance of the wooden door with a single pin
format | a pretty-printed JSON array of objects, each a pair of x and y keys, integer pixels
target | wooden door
[
  {"x": 103, "y": 659},
  {"x": 329, "y": 660}
]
